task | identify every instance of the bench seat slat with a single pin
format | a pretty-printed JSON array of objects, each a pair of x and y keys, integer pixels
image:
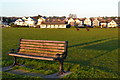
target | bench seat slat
[
  {"x": 28, "y": 50},
  {"x": 24, "y": 45},
  {"x": 43, "y": 41},
  {"x": 33, "y": 57},
  {"x": 41, "y": 49},
  {"x": 48, "y": 44},
  {"x": 37, "y": 54}
]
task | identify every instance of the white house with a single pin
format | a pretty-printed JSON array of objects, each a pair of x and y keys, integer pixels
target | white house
[
  {"x": 43, "y": 25},
  {"x": 87, "y": 21},
  {"x": 40, "y": 20},
  {"x": 112, "y": 24},
  {"x": 65, "y": 20},
  {"x": 103, "y": 24},
  {"x": 24, "y": 18},
  {"x": 96, "y": 22},
  {"x": 25, "y": 22},
  {"x": 19, "y": 22},
  {"x": 71, "y": 21},
  {"x": 78, "y": 22},
  {"x": 52, "y": 25},
  {"x": 30, "y": 22}
]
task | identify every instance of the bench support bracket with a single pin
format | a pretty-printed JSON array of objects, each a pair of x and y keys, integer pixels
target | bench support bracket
[
  {"x": 61, "y": 70},
  {"x": 15, "y": 62}
]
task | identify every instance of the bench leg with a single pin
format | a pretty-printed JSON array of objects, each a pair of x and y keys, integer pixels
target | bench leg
[
  {"x": 61, "y": 70},
  {"x": 15, "y": 62}
]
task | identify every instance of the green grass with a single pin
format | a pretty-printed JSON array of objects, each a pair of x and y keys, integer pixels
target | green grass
[{"x": 91, "y": 54}]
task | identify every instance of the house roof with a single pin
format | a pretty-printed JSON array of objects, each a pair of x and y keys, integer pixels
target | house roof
[
  {"x": 82, "y": 19},
  {"x": 117, "y": 21},
  {"x": 53, "y": 22},
  {"x": 33, "y": 19},
  {"x": 103, "y": 21},
  {"x": 14, "y": 20},
  {"x": 20, "y": 19},
  {"x": 92, "y": 19}
]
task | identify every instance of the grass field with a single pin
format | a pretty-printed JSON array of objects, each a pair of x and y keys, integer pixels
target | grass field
[{"x": 91, "y": 54}]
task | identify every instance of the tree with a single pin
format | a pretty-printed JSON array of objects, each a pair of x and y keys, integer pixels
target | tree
[
  {"x": 55, "y": 17},
  {"x": 45, "y": 17},
  {"x": 39, "y": 16},
  {"x": 63, "y": 17},
  {"x": 72, "y": 15}
]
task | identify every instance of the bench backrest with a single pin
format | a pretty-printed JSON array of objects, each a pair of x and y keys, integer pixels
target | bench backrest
[{"x": 43, "y": 48}]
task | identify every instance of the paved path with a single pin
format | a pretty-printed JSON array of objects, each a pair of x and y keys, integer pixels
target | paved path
[
  {"x": 26, "y": 73},
  {"x": 55, "y": 75},
  {"x": 33, "y": 74}
]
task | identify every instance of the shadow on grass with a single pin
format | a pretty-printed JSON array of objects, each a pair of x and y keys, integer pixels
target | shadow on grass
[
  {"x": 89, "y": 43},
  {"x": 106, "y": 45}
]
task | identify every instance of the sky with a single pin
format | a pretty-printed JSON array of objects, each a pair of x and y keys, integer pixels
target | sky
[{"x": 82, "y": 8}]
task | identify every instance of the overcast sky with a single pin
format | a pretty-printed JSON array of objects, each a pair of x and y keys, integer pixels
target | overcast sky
[{"x": 83, "y": 8}]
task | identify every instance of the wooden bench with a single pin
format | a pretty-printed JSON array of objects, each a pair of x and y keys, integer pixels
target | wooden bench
[{"x": 41, "y": 49}]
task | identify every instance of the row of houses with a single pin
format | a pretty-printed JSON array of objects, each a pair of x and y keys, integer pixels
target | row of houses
[
  {"x": 93, "y": 22},
  {"x": 41, "y": 22},
  {"x": 63, "y": 22},
  {"x": 26, "y": 21}
]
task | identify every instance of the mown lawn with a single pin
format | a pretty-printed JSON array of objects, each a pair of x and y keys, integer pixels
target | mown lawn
[{"x": 91, "y": 54}]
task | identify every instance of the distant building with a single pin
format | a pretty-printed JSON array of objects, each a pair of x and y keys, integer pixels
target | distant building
[
  {"x": 19, "y": 22},
  {"x": 79, "y": 22},
  {"x": 103, "y": 23},
  {"x": 87, "y": 21},
  {"x": 58, "y": 22},
  {"x": 40, "y": 20},
  {"x": 30, "y": 22},
  {"x": 53, "y": 25},
  {"x": 71, "y": 21},
  {"x": 24, "y": 18},
  {"x": 112, "y": 24},
  {"x": 25, "y": 22},
  {"x": 95, "y": 22}
]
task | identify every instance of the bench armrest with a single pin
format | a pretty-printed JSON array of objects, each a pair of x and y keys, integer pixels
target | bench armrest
[
  {"x": 61, "y": 55},
  {"x": 58, "y": 55},
  {"x": 13, "y": 50}
]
